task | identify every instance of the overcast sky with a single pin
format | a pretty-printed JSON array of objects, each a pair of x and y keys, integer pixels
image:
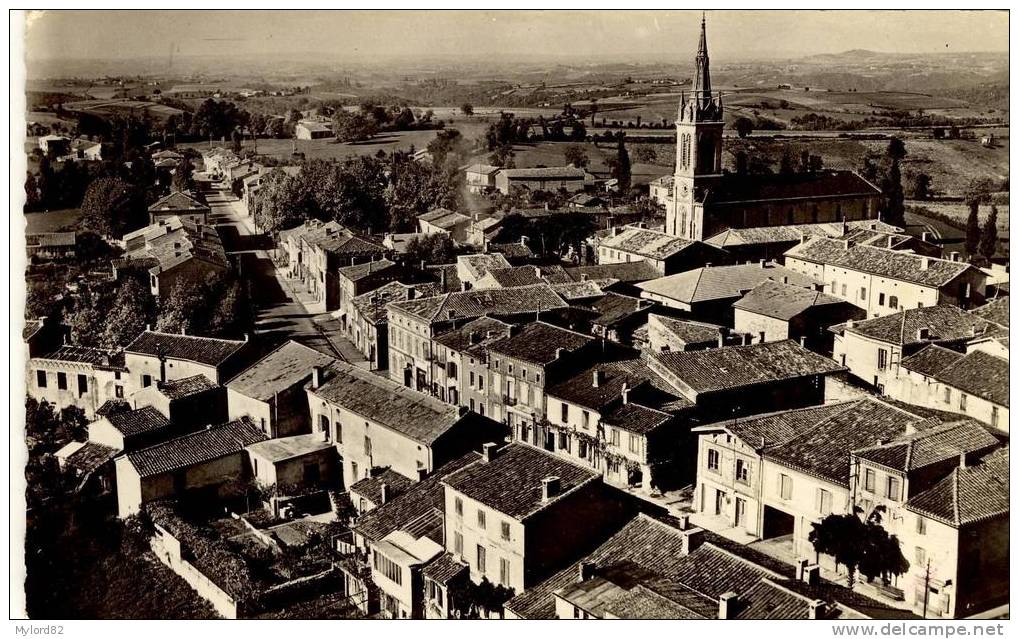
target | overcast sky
[{"x": 732, "y": 35}]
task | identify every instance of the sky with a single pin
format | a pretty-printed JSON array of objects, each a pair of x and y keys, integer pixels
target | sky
[{"x": 732, "y": 35}]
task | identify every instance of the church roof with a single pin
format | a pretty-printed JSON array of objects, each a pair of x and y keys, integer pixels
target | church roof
[{"x": 737, "y": 189}]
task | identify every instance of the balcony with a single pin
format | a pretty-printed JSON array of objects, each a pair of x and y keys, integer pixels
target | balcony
[{"x": 509, "y": 401}]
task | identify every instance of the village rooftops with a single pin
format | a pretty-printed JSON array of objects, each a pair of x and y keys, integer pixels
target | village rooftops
[
  {"x": 178, "y": 201},
  {"x": 483, "y": 169},
  {"x": 769, "y": 429},
  {"x": 995, "y": 312},
  {"x": 185, "y": 387},
  {"x": 512, "y": 482},
  {"x": 444, "y": 218},
  {"x": 371, "y": 487},
  {"x": 969, "y": 494},
  {"x": 444, "y": 569},
  {"x": 689, "y": 331},
  {"x": 372, "y": 305},
  {"x": 88, "y": 456},
  {"x": 615, "y": 308},
  {"x": 795, "y": 232},
  {"x": 528, "y": 275},
  {"x": 602, "y": 384},
  {"x": 475, "y": 336},
  {"x": 210, "y": 351},
  {"x": 637, "y": 418},
  {"x": 711, "y": 283},
  {"x": 816, "y": 185},
  {"x": 138, "y": 422},
  {"x": 414, "y": 415},
  {"x": 942, "y": 323},
  {"x": 195, "y": 448},
  {"x": 930, "y": 445},
  {"x": 930, "y": 360},
  {"x": 540, "y": 343},
  {"x": 357, "y": 272},
  {"x": 283, "y": 368},
  {"x": 511, "y": 250},
  {"x": 979, "y": 374},
  {"x": 896, "y": 265},
  {"x": 653, "y": 245},
  {"x": 48, "y": 240},
  {"x": 547, "y": 173},
  {"x": 783, "y": 301},
  {"x": 98, "y": 357},
  {"x": 478, "y": 264},
  {"x": 475, "y": 303},
  {"x": 732, "y": 367},
  {"x": 284, "y": 448}
]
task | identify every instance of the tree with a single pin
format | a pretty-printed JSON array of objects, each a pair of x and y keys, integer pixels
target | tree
[
  {"x": 645, "y": 154},
  {"x": 446, "y": 143},
  {"x": 620, "y": 166},
  {"x": 576, "y": 155},
  {"x": 896, "y": 149},
  {"x": 579, "y": 131},
  {"x": 785, "y": 166},
  {"x": 973, "y": 229},
  {"x": 467, "y": 109},
  {"x": 113, "y": 207},
  {"x": 744, "y": 126},
  {"x": 921, "y": 186},
  {"x": 895, "y": 206},
  {"x": 32, "y": 198},
  {"x": 437, "y": 248},
  {"x": 989, "y": 236},
  {"x": 183, "y": 176},
  {"x": 503, "y": 156},
  {"x": 859, "y": 544},
  {"x": 353, "y": 127},
  {"x": 133, "y": 309},
  {"x": 185, "y": 308}
]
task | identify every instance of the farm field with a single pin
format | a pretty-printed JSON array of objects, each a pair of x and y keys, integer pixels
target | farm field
[
  {"x": 960, "y": 211},
  {"x": 52, "y": 221}
]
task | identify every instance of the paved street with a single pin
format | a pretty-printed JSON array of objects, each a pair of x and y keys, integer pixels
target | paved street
[{"x": 281, "y": 315}]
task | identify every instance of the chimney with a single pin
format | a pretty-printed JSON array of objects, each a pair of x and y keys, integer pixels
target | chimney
[
  {"x": 316, "y": 377},
  {"x": 148, "y": 328},
  {"x": 761, "y": 263},
  {"x": 597, "y": 377},
  {"x": 383, "y": 493},
  {"x": 583, "y": 277},
  {"x": 625, "y": 393},
  {"x": 954, "y": 256},
  {"x": 850, "y": 323},
  {"x": 488, "y": 451},
  {"x": 585, "y": 572},
  {"x": 549, "y": 488},
  {"x": 762, "y": 336},
  {"x": 683, "y": 522},
  {"x": 691, "y": 540},
  {"x": 891, "y": 241},
  {"x": 962, "y": 460},
  {"x": 559, "y": 352},
  {"x": 803, "y": 341},
  {"x": 812, "y": 575},
  {"x": 422, "y": 265},
  {"x": 442, "y": 279},
  {"x": 785, "y": 279},
  {"x": 615, "y": 231},
  {"x": 727, "y": 605},
  {"x": 411, "y": 292},
  {"x": 801, "y": 565},
  {"x": 523, "y": 240},
  {"x": 846, "y": 244},
  {"x": 923, "y": 334},
  {"x": 707, "y": 265},
  {"x": 816, "y": 609},
  {"x": 925, "y": 236},
  {"x": 925, "y": 263},
  {"x": 246, "y": 337},
  {"x": 721, "y": 336},
  {"x": 537, "y": 272}
]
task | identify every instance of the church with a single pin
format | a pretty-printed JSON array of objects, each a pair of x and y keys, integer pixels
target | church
[{"x": 706, "y": 200}]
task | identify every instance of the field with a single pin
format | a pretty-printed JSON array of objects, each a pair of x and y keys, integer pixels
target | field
[
  {"x": 960, "y": 211},
  {"x": 52, "y": 221},
  {"x": 552, "y": 154}
]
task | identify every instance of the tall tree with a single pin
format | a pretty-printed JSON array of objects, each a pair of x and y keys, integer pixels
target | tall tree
[
  {"x": 621, "y": 166},
  {"x": 859, "y": 544},
  {"x": 743, "y": 125},
  {"x": 576, "y": 155},
  {"x": 133, "y": 309},
  {"x": 467, "y": 109},
  {"x": 973, "y": 229},
  {"x": 895, "y": 206},
  {"x": 989, "y": 236},
  {"x": 921, "y": 186},
  {"x": 113, "y": 207}
]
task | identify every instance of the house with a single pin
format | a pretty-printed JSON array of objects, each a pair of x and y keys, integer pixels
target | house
[
  {"x": 375, "y": 422},
  {"x": 414, "y": 324},
  {"x": 742, "y": 380},
  {"x": 358, "y": 279},
  {"x": 465, "y": 352},
  {"x": 377, "y": 490},
  {"x": 293, "y": 462},
  {"x": 154, "y": 356},
  {"x": 179, "y": 204},
  {"x": 522, "y": 365},
  {"x": 51, "y": 246},
  {"x": 618, "y": 316},
  {"x": 480, "y": 178},
  {"x": 668, "y": 254},
  {"x": 397, "y": 564},
  {"x": 666, "y": 334},
  {"x": 43, "y": 335},
  {"x": 55, "y": 146},
  {"x": 172, "y": 250},
  {"x": 187, "y": 401},
  {"x": 324, "y": 249},
  {"x": 707, "y": 293},
  {"x": 626, "y": 275},
  {"x": 78, "y": 376},
  {"x": 501, "y": 511},
  {"x": 129, "y": 429},
  {"x": 271, "y": 391},
  {"x": 444, "y": 221},
  {"x": 213, "y": 160},
  {"x": 543, "y": 179},
  {"x": 367, "y": 324},
  {"x": 203, "y": 460},
  {"x": 883, "y": 281},
  {"x": 312, "y": 130},
  {"x": 471, "y": 268},
  {"x": 872, "y": 349},
  {"x": 660, "y": 189},
  {"x": 974, "y": 384},
  {"x": 89, "y": 464},
  {"x": 516, "y": 253},
  {"x": 523, "y": 276},
  {"x": 774, "y": 311}
]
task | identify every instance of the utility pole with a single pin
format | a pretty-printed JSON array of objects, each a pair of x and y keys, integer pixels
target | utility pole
[{"x": 926, "y": 587}]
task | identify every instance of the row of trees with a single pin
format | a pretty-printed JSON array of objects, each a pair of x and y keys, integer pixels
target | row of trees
[{"x": 981, "y": 242}]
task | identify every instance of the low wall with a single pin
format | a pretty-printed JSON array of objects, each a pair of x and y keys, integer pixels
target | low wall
[
  {"x": 280, "y": 595},
  {"x": 168, "y": 549}
]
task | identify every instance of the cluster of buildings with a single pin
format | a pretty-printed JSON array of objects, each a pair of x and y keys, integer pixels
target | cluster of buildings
[{"x": 652, "y": 436}]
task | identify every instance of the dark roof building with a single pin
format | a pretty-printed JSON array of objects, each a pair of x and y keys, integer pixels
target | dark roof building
[
  {"x": 540, "y": 343},
  {"x": 195, "y": 448},
  {"x": 969, "y": 494},
  {"x": 783, "y": 301},
  {"x": 202, "y": 350}
]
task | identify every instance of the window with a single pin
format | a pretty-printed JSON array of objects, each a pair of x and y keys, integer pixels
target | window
[
  {"x": 118, "y": 391},
  {"x": 713, "y": 459},
  {"x": 785, "y": 486},
  {"x": 962, "y": 401},
  {"x": 881, "y": 299},
  {"x": 994, "y": 416},
  {"x": 367, "y": 446},
  {"x": 585, "y": 419},
  {"x": 893, "y": 488},
  {"x": 505, "y": 530},
  {"x": 481, "y": 559},
  {"x": 614, "y": 434},
  {"x": 921, "y": 525},
  {"x": 634, "y": 443},
  {"x": 472, "y": 380},
  {"x": 565, "y": 416},
  {"x": 62, "y": 381},
  {"x": 563, "y": 441},
  {"x": 458, "y": 543},
  {"x": 509, "y": 369},
  {"x": 146, "y": 381},
  {"x": 823, "y": 504},
  {"x": 893, "y": 302},
  {"x": 504, "y": 572},
  {"x": 451, "y": 370},
  {"x": 882, "y": 359},
  {"x": 339, "y": 433},
  {"x": 742, "y": 471},
  {"x": 481, "y": 382},
  {"x": 948, "y": 395},
  {"x": 353, "y": 470},
  {"x": 458, "y": 506},
  {"x": 863, "y": 293},
  {"x": 843, "y": 289},
  {"x": 481, "y": 518},
  {"x": 869, "y": 480},
  {"x": 388, "y": 567},
  {"x": 920, "y": 555},
  {"x": 40, "y": 379},
  {"x": 323, "y": 423}
]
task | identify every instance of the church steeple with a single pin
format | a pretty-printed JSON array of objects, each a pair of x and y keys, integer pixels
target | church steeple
[{"x": 702, "y": 76}]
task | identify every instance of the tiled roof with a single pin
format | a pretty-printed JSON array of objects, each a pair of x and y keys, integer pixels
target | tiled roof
[
  {"x": 647, "y": 243},
  {"x": 475, "y": 303},
  {"x": 539, "y": 343},
  {"x": 50, "y": 239},
  {"x": 186, "y": 386},
  {"x": 284, "y": 448},
  {"x": 111, "y": 406},
  {"x": 766, "y": 600},
  {"x": 689, "y": 331},
  {"x": 512, "y": 482},
  {"x": 793, "y": 186},
  {"x": 527, "y": 275},
  {"x": 357, "y": 272},
  {"x": 545, "y": 172},
  {"x": 929, "y": 446},
  {"x": 615, "y": 308},
  {"x": 480, "y": 263},
  {"x": 87, "y": 355},
  {"x": 287, "y": 366},
  {"x": 635, "y": 418},
  {"x": 415, "y": 415},
  {"x": 474, "y": 336},
  {"x": 628, "y": 272},
  {"x": 580, "y": 389},
  {"x": 737, "y": 366},
  {"x": 978, "y": 373},
  {"x": 486, "y": 169},
  {"x": 942, "y": 323},
  {"x": 444, "y": 568},
  {"x": 372, "y": 305},
  {"x": 823, "y": 450},
  {"x": 202, "y": 350},
  {"x": 416, "y": 501},
  {"x": 196, "y": 448},
  {"x": 995, "y": 312},
  {"x": 572, "y": 291},
  {"x": 90, "y": 457},
  {"x": 895, "y": 265},
  {"x": 641, "y": 602},
  {"x": 371, "y": 487},
  {"x": 178, "y": 201},
  {"x": 137, "y": 422},
  {"x": 969, "y": 494},
  {"x": 783, "y": 301},
  {"x": 444, "y": 218},
  {"x": 722, "y": 282},
  {"x": 516, "y": 250},
  {"x": 762, "y": 431},
  {"x": 445, "y": 273},
  {"x": 930, "y": 360},
  {"x": 793, "y": 232}
]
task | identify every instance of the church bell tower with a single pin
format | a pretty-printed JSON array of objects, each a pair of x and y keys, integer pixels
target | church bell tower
[{"x": 698, "y": 149}]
